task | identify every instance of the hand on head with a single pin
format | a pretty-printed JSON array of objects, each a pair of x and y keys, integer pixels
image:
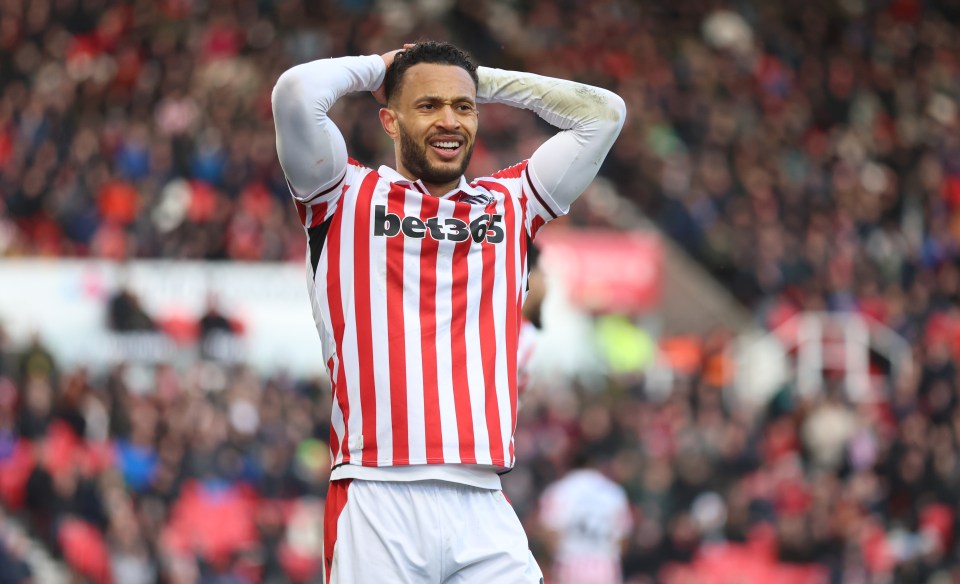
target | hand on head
[{"x": 380, "y": 93}]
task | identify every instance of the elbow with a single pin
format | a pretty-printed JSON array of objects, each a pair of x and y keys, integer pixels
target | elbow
[
  {"x": 603, "y": 110},
  {"x": 611, "y": 115},
  {"x": 618, "y": 108},
  {"x": 615, "y": 110}
]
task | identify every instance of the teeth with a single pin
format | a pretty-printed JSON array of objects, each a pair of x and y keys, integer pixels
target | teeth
[{"x": 447, "y": 144}]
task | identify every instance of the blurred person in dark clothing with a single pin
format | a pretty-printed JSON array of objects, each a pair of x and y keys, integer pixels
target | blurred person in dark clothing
[
  {"x": 6, "y": 366},
  {"x": 36, "y": 360},
  {"x": 14, "y": 568},
  {"x": 56, "y": 492},
  {"x": 213, "y": 320},
  {"x": 36, "y": 407},
  {"x": 214, "y": 326},
  {"x": 125, "y": 314},
  {"x": 71, "y": 403}
]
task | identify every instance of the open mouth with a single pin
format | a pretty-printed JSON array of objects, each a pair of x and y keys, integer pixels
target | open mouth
[{"x": 447, "y": 147}]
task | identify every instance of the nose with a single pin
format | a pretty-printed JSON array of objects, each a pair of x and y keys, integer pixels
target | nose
[{"x": 447, "y": 118}]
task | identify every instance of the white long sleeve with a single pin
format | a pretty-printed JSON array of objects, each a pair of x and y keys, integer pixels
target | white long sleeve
[
  {"x": 590, "y": 119},
  {"x": 310, "y": 146}
]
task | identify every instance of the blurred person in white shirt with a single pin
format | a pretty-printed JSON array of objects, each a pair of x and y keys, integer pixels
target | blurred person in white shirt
[{"x": 585, "y": 517}]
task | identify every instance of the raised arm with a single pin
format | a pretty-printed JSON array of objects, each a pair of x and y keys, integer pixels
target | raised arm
[
  {"x": 311, "y": 148},
  {"x": 590, "y": 119}
]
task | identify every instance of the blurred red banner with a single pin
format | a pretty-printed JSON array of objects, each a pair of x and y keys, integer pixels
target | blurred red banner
[{"x": 606, "y": 271}]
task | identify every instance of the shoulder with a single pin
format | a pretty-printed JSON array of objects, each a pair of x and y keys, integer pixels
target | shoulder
[
  {"x": 356, "y": 172},
  {"x": 515, "y": 171},
  {"x": 510, "y": 178},
  {"x": 506, "y": 174},
  {"x": 357, "y": 167}
]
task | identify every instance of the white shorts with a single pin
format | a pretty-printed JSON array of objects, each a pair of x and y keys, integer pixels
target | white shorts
[{"x": 429, "y": 532}]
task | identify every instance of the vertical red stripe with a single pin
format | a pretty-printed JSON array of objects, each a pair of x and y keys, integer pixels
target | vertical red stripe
[
  {"x": 319, "y": 213},
  {"x": 336, "y": 501},
  {"x": 535, "y": 225},
  {"x": 513, "y": 228},
  {"x": 301, "y": 212},
  {"x": 458, "y": 342},
  {"x": 396, "y": 340},
  {"x": 361, "y": 295},
  {"x": 335, "y": 303},
  {"x": 428, "y": 336},
  {"x": 488, "y": 348},
  {"x": 334, "y": 439}
]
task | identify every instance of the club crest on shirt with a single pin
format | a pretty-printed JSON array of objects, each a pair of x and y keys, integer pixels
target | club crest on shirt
[{"x": 483, "y": 199}]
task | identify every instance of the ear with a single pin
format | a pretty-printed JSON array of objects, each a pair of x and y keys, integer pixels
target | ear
[{"x": 388, "y": 119}]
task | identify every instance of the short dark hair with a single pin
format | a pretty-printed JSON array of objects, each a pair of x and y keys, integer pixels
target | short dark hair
[{"x": 434, "y": 52}]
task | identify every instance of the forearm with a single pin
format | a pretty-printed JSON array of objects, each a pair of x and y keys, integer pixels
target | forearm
[
  {"x": 564, "y": 104},
  {"x": 590, "y": 119},
  {"x": 311, "y": 148}
]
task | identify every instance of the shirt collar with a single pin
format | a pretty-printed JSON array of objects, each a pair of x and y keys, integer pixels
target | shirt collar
[{"x": 397, "y": 178}]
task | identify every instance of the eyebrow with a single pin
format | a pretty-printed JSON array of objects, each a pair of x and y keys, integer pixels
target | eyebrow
[{"x": 439, "y": 98}]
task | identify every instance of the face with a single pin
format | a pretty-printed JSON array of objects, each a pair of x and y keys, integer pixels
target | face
[{"x": 434, "y": 121}]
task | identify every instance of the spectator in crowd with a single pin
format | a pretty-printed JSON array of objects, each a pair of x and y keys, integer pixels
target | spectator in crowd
[
  {"x": 213, "y": 320},
  {"x": 125, "y": 314},
  {"x": 35, "y": 361},
  {"x": 14, "y": 567},
  {"x": 6, "y": 366},
  {"x": 586, "y": 519},
  {"x": 216, "y": 330}
]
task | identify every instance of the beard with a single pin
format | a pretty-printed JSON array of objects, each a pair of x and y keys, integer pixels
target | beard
[{"x": 413, "y": 156}]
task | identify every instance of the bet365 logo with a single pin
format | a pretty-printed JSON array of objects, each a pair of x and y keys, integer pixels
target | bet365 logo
[{"x": 485, "y": 227}]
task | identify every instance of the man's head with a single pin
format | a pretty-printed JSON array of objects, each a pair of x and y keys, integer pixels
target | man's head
[{"x": 431, "y": 112}]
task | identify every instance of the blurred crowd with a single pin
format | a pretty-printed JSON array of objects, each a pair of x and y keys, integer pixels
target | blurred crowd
[
  {"x": 215, "y": 474},
  {"x": 805, "y": 490},
  {"x": 148, "y": 474},
  {"x": 807, "y": 154},
  {"x": 803, "y": 150}
]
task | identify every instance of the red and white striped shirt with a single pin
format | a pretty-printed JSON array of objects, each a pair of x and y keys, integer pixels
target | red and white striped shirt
[{"x": 417, "y": 298}]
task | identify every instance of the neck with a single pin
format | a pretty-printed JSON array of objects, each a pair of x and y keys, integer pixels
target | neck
[
  {"x": 440, "y": 190},
  {"x": 435, "y": 189}
]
